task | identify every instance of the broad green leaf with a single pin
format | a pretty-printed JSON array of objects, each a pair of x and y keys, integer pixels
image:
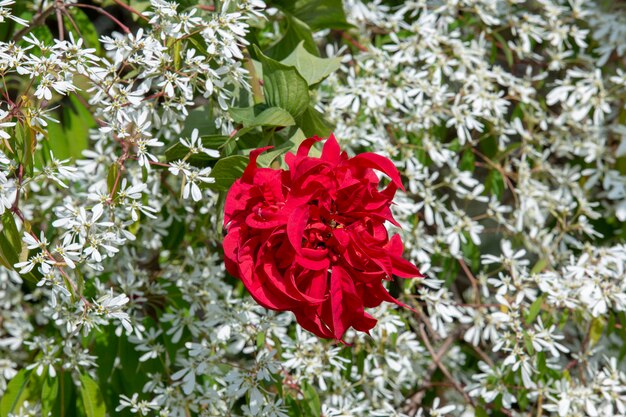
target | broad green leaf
[
  {"x": 259, "y": 115},
  {"x": 266, "y": 158},
  {"x": 10, "y": 231},
  {"x": 311, "y": 67},
  {"x": 283, "y": 86},
  {"x": 312, "y": 123},
  {"x": 16, "y": 393},
  {"x": 92, "y": 397},
  {"x": 318, "y": 14},
  {"x": 260, "y": 340},
  {"x": 201, "y": 119},
  {"x": 227, "y": 170},
  {"x": 11, "y": 245},
  {"x": 296, "y": 32},
  {"x": 70, "y": 138}
]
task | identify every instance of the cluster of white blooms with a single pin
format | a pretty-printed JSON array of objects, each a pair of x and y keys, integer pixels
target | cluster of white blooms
[{"x": 504, "y": 117}]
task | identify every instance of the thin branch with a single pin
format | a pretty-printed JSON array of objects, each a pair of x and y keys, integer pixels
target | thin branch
[
  {"x": 104, "y": 13},
  {"x": 60, "y": 26},
  {"x": 416, "y": 399},
  {"x": 352, "y": 41},
  {"x": 472, "y": 279},
  {"x": 442, "y": 367},
  {"x": 130, "y": 9}
]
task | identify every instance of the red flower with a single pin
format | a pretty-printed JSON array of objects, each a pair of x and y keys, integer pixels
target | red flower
[{"x": 312, "y": 239}]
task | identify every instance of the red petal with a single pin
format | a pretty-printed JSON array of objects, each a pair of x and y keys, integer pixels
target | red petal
[
  {"x": 346, "y": 305},
  {"x": 310, "y": 320},
  {"x": 403, "y": 268},
  {"x": 338, "y": 309},
  {"x": 331, "y": 151},
  {"x": 365, "y": 323},
  {"x": 261, "y": 288},
  {"x": 296, "y": 225},
  {"x": 380, "y": 163},
  {"x": 387, "y": 297},
  {"x": 248, "y": 174},
  {"x": 313, "y": 264},
  {"x": 305, "y": 146}
]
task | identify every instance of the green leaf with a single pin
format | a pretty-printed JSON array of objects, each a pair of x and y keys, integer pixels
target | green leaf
[
  {"x": 92, "y": 397},
  {"x": 528, "y": 343},
  {"x": 112, "y": 180},
  {"x": 313, "y": 123},
  {"x": 312, "y": 404},
  {"x": 227, "y": 170},
  {"x": 495, "y": 183},
  {"x": 201, "y": 119},
  {"x": 318, "y": 14},
  {"x": 10, "y": 242},
  {"x": 539, "y": 266},
  {"x": 70, "y": 138},
  {"x": 49, "y": 395},
  {"x": 296, "y": 32},
  {"x": 596, "y": 329},
  {"x": 480, "y": 412},
  {"x": 535, "y": 309},
  {"x": 260, "y": 340},
  {"x": 312, "y": 68},
  {"x": 16, "y": 393},
  {"x": 471, "y": 253},
  {"x": 283, "y": 86},
  {"x": 261, "y": 115},
  {"x": 266, "y": 158},
  {"x": 10, "y": 231},
  {"x": 502, "y": 44},
  {"x": 468, "y": 161}
]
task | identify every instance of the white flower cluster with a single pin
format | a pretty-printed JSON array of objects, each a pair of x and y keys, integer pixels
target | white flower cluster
[
  {"x": 506, "y": 129},
  {"x": 504, "y": 117}
]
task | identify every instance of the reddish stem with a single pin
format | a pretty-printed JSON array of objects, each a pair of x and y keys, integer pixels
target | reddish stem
[
  {"x": 353, "y": 41},
  {"x": 105, "y": 13},
  {"x": 130, "y": 9}
]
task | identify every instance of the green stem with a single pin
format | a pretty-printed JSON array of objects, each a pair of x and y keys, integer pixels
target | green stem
[{"x": 255, "y": 82}]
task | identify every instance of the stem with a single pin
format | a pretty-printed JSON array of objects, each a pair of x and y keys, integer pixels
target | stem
[
  {"x": 442, "y": 367},
  {"x": 71, "y": 19},
  {"x": 352, "y": 41},
  {"x": 130, "y": 9},
  {"x": 255, "y": 82},
  {"x": 472, "y": 279},
  {"x": 105, "y": 13},
  {"x": 60, "y": 25}
]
